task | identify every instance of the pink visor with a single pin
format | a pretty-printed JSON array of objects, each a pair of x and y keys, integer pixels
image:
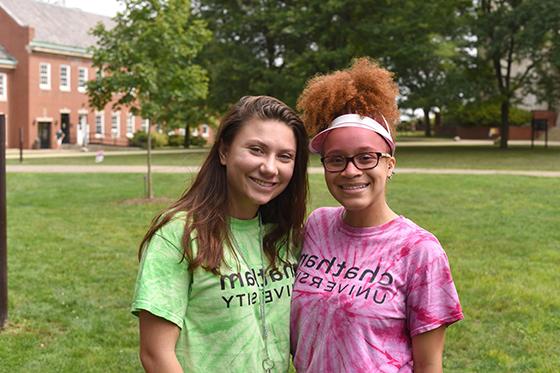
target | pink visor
[{"x": 353, "y": 120}]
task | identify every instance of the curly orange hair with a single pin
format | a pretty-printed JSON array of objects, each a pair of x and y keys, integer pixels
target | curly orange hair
[{"x": 365, "y": 89}]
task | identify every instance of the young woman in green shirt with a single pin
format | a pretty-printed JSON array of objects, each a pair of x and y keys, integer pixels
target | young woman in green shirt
[{"x": 217, "y": 267}]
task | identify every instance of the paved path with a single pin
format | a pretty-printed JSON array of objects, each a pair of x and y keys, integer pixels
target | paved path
[
  {"x": 50, "y": 153},
  {"x": 64, "y": 153},
  {"x": 312, "y": 170}
]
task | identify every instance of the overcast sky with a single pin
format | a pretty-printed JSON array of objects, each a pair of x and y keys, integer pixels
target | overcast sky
[{"x": 104, "y": 7}]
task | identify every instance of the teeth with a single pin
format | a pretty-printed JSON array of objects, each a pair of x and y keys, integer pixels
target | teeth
[
  {"x": 354, "y": 187},
  {"x": 262, "y": 183}
]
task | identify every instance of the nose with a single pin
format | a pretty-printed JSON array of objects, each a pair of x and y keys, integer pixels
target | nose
[
  {"x": 351, "y": 170},
  {"x": 269, "y": 166}
]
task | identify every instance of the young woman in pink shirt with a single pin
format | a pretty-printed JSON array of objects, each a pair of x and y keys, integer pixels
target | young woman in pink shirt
[{"x": 373, "y": 290}]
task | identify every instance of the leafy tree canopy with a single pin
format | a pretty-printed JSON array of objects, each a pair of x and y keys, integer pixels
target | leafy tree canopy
[
  {"x": 147, "y": 61},
  {"x": 515, "y": 40}
]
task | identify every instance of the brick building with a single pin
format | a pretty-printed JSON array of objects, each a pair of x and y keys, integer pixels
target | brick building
[{"x": 44, "y": 66}]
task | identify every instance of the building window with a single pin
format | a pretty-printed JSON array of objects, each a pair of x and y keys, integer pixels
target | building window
[
  {"x": 115, "y": 124},
  {"x": 99, "y": 124},
  {"x": 205, "y": 130},
  {"x": 3, "y": 87},
  {"x": 130, "y": 125},
  {"x": 65, "y": 78},
  {"x": 145, "y": 124},
  {"x": 45, "y": 76},
  {"x": 82, "y": 78}
]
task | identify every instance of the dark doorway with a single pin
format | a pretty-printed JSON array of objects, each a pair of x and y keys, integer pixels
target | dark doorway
[
  {"x": 65, "y": 127},
  {"x": 3, "y": 123},
  {"x": 44, "y": 135}
]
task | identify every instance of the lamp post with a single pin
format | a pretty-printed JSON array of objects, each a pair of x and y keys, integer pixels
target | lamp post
[{"x": 3, "y": 223}]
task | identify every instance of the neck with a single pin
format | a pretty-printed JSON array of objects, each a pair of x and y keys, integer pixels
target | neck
[
  {"x": 242, "y": 213},
  {"x": 370, "y": 217}
]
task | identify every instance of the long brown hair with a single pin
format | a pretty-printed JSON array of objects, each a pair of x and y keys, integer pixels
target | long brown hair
[{"x": 205, "y": 201}]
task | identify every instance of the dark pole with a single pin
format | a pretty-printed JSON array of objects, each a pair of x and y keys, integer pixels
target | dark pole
[
  {"x": 20, "y": 145},
  {"x": 533, "y": 124},
  {"x": 546, "y": 134},
  {"x": 3, "y": 223}
]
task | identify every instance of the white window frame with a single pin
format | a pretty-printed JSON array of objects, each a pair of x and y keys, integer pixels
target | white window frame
[
  {"x": 82, "y": 79},
  {"x": 3, "y": 87},
  {"x": 130, "y": 121},
  {"x": 115, "y": 124},
  {"x": 205, "y": 131},
  {"x": 99, "y": 124},
  {"x": 46, "y": 74},
  {"x": 145, "y": 125},
  {"x": 65, "y": 87}
]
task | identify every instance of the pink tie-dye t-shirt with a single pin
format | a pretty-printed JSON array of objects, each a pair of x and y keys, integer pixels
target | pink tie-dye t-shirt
[{"x": 361, "y": 294}]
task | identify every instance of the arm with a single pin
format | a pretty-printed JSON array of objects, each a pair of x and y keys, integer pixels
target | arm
[
  {"x": 157, "y": 344},
  {"x": 427, "y": 351}
]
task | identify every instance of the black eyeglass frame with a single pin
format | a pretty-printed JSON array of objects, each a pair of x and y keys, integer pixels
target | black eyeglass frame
[{"x": 378, "y": 155}]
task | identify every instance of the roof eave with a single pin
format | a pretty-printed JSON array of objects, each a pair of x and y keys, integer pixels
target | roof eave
[
  {"x": 51, "y": 48},
  {"x": 7, "y": 64}
]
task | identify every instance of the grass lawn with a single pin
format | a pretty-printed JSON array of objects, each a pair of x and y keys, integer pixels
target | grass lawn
[
  {"x": 462, "y": 157},
  {"x": 72, "y": 264}
]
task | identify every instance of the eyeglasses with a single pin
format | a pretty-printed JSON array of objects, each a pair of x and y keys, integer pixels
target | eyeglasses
[{"x": 362, "y": 161}]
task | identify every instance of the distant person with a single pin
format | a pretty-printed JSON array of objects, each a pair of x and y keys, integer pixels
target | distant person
[
  {"x": 217, "y": 268},
  {"x": 373, "y": 290},
  {"x": 59, "y": 137}
]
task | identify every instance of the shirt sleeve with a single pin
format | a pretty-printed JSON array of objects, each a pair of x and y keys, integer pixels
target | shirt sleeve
[
  {"x": 163, "y": 282},
  {"x": 432, "y": 299}
]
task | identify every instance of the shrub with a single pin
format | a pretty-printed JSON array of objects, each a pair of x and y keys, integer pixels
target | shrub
[
  {"x": 485, "y": 114},
  {"x": 197, "y": 141},
  {"x": 406, "y": 126},
  {"x": 176, "y": 140},
  {"x": 140, "y": 139}
]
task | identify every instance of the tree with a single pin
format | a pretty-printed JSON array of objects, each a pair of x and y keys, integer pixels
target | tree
[
  {"x": 423, "y": 44},
  {"x": 547, "y": 76},
  {"x": 146, "y": 61},
  {"x": 249, "y": 52},
  {"x": 273, "y": 47},
  {"x": 512, "y": 38}
]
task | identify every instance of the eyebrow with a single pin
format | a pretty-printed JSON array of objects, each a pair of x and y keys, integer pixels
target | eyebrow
[
  {"x": 265, "y": 145},
  {"x": 363, "y": 149}
]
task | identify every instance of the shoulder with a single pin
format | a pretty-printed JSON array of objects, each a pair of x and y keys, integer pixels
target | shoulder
[
  {"x": 170, "y": 234},
  {"x": 174, "y": 225},
  {"x": 418, "y": 243}
]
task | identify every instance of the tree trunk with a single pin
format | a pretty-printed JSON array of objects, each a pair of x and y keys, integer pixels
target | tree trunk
[
  {"x": 149, "y": 190},
  {"x": 187, "y": 142},
  {"x": 428, "y": 128},
  {"x": 437, "y": 122},
  {"x": 504, "y": 127}
]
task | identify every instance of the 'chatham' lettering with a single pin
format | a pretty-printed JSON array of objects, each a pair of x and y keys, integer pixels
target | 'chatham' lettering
[
  {"x": 326, "y": 265},
  {"x": 252, "y": 277},
  {"x": 375, "y": 285}
]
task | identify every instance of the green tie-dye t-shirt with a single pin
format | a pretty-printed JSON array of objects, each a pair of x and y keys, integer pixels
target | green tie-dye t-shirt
[{"x": 218, "y": 315}]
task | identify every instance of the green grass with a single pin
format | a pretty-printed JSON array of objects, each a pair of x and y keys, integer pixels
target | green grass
[
  {"x": 462, "y": 157},
  {"x": 480, "y": 157},
  {"x": 72, "y": 265}
]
